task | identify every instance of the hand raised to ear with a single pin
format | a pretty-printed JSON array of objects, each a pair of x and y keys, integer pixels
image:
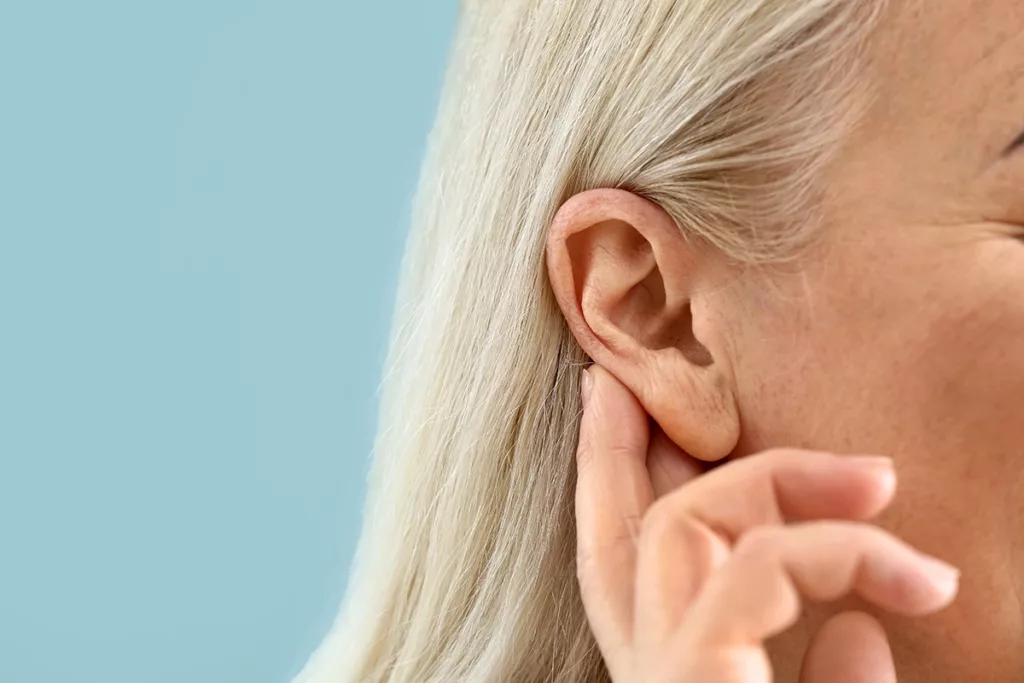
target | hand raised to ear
[{"x": 687, "y": 586}]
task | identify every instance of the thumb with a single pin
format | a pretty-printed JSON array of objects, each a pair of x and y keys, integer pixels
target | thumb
[
  {"x": 613, "y": 492},
  {"x": 613, "y": 421},
  {"x": 849, "y": 648}
]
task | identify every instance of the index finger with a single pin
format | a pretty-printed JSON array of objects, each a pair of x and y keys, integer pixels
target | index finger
[{"x": 613, "y": 491}]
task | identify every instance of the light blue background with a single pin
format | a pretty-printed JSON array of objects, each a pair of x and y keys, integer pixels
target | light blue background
[{"x": 202, "y": 208}]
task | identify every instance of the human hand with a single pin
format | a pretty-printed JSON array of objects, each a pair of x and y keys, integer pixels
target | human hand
[{"x": 683, "y": 577}]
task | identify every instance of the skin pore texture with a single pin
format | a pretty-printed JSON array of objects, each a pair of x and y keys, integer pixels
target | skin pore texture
[{"x": 898, "y": 332}]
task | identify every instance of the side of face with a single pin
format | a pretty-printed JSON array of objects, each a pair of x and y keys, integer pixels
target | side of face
[
  {"x": 901, "y": 334},
  {"x": 898, "y": 333}
]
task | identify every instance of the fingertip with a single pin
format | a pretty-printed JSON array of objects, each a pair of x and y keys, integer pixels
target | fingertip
[
  {"x": 592, "y": 382},
  {"x": 942, "y": 579},
  {"x": 851, "y": 647},
  {"x": 613, "y": 417},
  {"x": 612, "y": 390},
  {"x": 907, "y": 581},
  {"x": 880, "y": 467},
  {"x": 879, "y": 474}
]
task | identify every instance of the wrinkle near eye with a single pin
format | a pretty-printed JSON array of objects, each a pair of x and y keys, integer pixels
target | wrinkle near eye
[{"x": 1016, "y": 146}]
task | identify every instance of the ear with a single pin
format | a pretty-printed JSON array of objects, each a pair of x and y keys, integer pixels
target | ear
[{"x": 639, "y": 298}]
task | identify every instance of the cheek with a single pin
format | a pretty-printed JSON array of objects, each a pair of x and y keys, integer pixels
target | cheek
[
  {"x": 929, "y": 370},
  {"x": 963, "y": 376},
  {"x": 897, "y": 358},
  {"x": 953, "y": 419},
  {"x": 920, "y": 360},
  {"x": 967, "y": 382}
]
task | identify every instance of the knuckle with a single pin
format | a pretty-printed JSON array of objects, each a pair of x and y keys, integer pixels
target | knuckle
[
  {"x": 621, "y": 451},
  {"x": 589, "y": 452},
  {"x": 759, "y": 543}
]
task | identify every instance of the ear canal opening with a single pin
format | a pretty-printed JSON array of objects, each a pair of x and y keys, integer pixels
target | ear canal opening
[
  {"x": 667, "y": 328},
  {"x": 680, "y": 336}
]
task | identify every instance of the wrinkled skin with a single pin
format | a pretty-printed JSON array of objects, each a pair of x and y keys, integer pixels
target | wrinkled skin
[{"x": 899, "y": 335}]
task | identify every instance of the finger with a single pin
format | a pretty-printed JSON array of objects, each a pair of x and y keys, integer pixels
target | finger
[
  {"x": 785, "y": 484},
  {"x": 850, "y": 648},
  {"x": 688, "y": 533},
  {"x": 669, "y": 465},
  {"x": 666, "y": 586},
  {"x": 676, "y": 557},
  {"x": 756, "y": 594},
  {"x": 613, "y": 491}
]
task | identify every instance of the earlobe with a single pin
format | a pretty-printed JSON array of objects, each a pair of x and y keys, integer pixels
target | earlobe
[{"x": 626, "y": 280}]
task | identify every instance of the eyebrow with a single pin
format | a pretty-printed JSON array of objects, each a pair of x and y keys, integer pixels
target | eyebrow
[{"x": 1017, "y": 144}]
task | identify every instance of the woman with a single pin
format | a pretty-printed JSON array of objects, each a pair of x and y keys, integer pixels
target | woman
[{"x": 786, "y": 233}]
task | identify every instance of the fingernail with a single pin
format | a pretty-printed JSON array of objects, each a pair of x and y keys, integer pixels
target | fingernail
[
  {"x": 943, "y": 576},
  {"x": 880, "y": 466},
  {"x": 586, "y": 386}
]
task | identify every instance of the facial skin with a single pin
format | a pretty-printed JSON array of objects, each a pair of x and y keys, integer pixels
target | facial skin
[{"x": 900, "y": 334}]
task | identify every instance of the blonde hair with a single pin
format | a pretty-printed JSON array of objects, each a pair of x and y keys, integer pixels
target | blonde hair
[{"x": 724, "y": 112}]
